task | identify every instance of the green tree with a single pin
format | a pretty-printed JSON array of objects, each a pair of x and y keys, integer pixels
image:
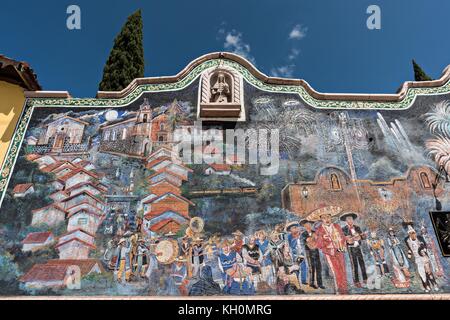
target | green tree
[
  {"x": 126, "y": 60},
  {"x": 419, "y": 74}
]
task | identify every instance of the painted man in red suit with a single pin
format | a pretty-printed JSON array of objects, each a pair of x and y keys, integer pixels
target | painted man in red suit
[{"x": 331, "y": 240}]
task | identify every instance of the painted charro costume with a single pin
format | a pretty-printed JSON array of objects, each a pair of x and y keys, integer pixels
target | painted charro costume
[{"x": 354, "y": 237}]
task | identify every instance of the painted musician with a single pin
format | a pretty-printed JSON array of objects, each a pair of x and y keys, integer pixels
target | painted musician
[
  {"x": 312, "y": 255},
  {"x": 331, "y": 241},
  {"x": 354, "y": 237}
]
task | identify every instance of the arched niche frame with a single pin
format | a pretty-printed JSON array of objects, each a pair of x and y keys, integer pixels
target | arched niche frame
[{"x": 221, "y": 95}]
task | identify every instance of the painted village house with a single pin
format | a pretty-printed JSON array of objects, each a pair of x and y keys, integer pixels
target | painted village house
[
  {"x": 63, "y": 135},
  {"x": 58, "y": 274},
  {"x": 37, "y": 240},
  {"x": 51, "y": 215},
  {"x": 22, "y": 190}
]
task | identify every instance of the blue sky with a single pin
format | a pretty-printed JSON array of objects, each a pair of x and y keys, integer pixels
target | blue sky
[{"x": 325, "y": 42}]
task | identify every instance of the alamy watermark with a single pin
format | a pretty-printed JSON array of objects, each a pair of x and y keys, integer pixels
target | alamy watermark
[{"x": 194, "y": 145}]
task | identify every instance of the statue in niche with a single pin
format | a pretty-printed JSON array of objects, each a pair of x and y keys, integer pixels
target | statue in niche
[
  {"x": 335, "y": 184},
  {"x": 220, "y": 91}
]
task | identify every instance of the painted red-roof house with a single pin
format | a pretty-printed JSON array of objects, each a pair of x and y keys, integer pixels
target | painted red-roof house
[
  {"x": 87, "y": 266},
  {"x": 86, "y": 165},
  {"x": 76, "y": 244},
  {"x": 161, "y": 152},
  {"x": 169, "y": 202},
  {"x": 166, "y": 226},
  {"x": 93, "y": 187},
  {"x": 150, "y": 221},
  {"x": 162, "y": 187},
  {"x": 166, "y": 175},
  {"x": 37, "y": 240},
  {"x": 82, "y": 197},
  {"x": 78, "y": 233},
  {"x": 59, "y": 273},
  {"x": 84, "y": 219},
  {"x": 45, "y": 160},
  {"x": 51, "y": 215},
  {"x": 78, "y": 176},
  {"x": 218, "y": 168},
  {"x": 23, "y": 189},
  {"x": 58, "y": 196},
  {"x": 84, "y": 205},
  {"x": 42, "y": 276},
  {"x": 168, "y": 165}
]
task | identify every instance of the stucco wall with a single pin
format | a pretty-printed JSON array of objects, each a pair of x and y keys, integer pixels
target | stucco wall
[{"x": 11, "y": 105}]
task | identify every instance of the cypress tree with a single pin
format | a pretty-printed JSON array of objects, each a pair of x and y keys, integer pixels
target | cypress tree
[
  {"x": 126, "y": 60},
  {"x": 419, "y": 74}
]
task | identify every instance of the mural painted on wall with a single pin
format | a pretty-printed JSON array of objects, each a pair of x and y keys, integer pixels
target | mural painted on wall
[{"x": 99, "y": 203}]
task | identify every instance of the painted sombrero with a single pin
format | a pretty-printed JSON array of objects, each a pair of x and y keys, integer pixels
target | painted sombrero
[{"x": 331, "y": 210}]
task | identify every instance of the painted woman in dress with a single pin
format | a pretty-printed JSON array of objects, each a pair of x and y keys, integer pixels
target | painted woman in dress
[{"x": 399, "y": 261}]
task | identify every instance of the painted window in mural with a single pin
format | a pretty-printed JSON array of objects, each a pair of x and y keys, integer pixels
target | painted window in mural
[{"x": 346, "y": 209}]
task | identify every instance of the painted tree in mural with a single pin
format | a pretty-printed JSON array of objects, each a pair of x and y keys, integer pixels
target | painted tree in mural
[
  {"x": 438, "y": 121},
  {"x": 126, "y": 60},
  {"x": 419, "y": 74}
]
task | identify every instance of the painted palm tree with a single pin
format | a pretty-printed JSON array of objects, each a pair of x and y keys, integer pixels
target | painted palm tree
[
  {"x": 438, "y": 120},
  {"x": 439, "y": 149}
]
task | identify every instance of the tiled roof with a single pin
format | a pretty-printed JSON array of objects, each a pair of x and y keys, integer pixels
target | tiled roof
[
  {"x": 172, "y": 195},
  {"x": 37, "y": 237},
  {"x": 54, "y": 205},
  {"x": 45, "y": 273},
  {"x": 159, "y": 225},
  {"x": 21, "y": 188},
  {"x": 75, "y": 172},
  {"x": 85, "y": 265},
  {"x": 220, "y": 166},
  {"x": 18, "y": 72},
  {"x": 75, "y": 239},
  {"x": 80, "y": 193}
]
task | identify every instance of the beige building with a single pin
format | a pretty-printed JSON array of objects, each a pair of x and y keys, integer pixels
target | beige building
[{"x": 16, "y": 77}]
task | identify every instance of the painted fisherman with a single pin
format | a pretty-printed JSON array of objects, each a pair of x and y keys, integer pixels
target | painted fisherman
[
  {"x": 417, "y": 249},
  {"x": 399, "y": 260},
  {"x": 331, "y": 241},
  {"x": 378, "y": 252},
  {"x": 312, "y": 254},
  {"x": 354, "y": 237},
  {"x": 297, "y": 250}
]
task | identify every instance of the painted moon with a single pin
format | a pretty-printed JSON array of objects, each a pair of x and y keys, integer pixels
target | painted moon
[{"x": 111, "y": 115}]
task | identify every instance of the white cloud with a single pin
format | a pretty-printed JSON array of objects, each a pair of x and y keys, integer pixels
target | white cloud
[
  {"x": 298, "y": 32},
  {"x": 285, "y": 71},
  {"x": 234, "y": 43},
  {"x": 293, "y": 54}
]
